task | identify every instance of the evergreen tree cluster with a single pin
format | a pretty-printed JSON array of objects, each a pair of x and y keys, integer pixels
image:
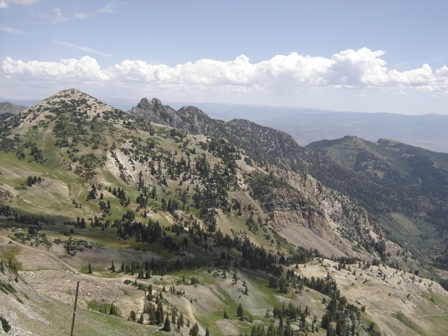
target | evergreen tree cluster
[
  {"x": 343, "y": 314},
  {"x": 146, "y": 269},
  {"x": 32, "y": 180}
]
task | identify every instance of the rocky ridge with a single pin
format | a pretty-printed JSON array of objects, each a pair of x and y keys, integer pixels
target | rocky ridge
[{"x": 278, "y": 148}]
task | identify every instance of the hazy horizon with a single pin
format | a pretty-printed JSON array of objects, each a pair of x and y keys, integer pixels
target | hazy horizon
[{"x": 126, "y": 104}]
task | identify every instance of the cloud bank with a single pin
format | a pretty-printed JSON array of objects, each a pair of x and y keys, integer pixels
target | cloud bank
[{"x": 348, "y": 69}]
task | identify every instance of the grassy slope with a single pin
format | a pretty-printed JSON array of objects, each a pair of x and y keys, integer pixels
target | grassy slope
[{"x": 399, "y": 304}]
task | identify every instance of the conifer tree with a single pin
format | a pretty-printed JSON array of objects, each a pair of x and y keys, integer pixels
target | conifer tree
[
  {"x": 194, "y": 331},
  {"x": 113, "y": 310},
  {"x": 181, "y": 319},
  {"x": 239, "y": 310},
  {"x": 167, "y": 325}
]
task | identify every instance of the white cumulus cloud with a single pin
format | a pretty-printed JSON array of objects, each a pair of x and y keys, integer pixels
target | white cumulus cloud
[
  {"x": 85, "y": 69},
  {"x": 361, "y": 68}
]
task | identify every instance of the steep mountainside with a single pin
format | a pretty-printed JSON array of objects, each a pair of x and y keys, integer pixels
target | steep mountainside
[
  {"x": 394, "y": 209},
  {"x": 201, "y": 229},
  {"x": 417, "y": 178},
  {"x": 27, "y": 311},
  {"x": 90, "y": 146},
  {"x": 262, "y": 143}
]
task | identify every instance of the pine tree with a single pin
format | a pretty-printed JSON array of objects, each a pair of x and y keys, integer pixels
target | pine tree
[
  {"x": 167, "y": 325},
  {"x": 113, "y": 310},
  {"x": 152, "y": 316},
  {"x": 6, "y": 327},
  {"x": 239, "y": 310},
  {"x": 194, "y": 331},
  {"x": 181, "y": 319},
  {"x": 159, "y": 314}
]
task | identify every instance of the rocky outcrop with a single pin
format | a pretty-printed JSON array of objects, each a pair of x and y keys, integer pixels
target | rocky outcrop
[
  {"x": 308, "y": 214},
  {"x": 260, "y": 142}
]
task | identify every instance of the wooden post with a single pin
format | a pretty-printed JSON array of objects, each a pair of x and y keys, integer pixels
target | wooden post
[{"x": 74, "y": 310}]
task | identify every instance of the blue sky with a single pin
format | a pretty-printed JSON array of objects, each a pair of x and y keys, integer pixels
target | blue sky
[{"x": 372, "y": 56}]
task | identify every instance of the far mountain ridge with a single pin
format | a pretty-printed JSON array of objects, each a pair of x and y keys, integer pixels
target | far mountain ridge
[
  {"x": 8, "y": 109},
  {"x": 307, "y": 125},
  {"x": 410, "y": 171}
]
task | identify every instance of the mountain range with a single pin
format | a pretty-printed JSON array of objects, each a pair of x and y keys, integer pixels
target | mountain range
[
  {"x": 310, "y": 125},
  {"x": 220, "y": 228},
  {"x": 307, "y": 125},
  {"x": 412, "y": 182}
]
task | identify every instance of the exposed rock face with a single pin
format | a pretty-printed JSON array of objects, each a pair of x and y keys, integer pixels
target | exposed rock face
[
  {"x": 188, "y": 118},
  {"x": 319, "y": 218}
]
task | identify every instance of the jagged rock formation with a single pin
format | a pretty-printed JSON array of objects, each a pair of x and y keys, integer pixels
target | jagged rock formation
[
  {"x": 308, "y": 214},
  {"x": 260, "y": 142}
]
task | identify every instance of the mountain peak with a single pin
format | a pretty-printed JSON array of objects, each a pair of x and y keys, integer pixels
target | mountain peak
[
  {"x": 147, "y": 104},
  {"x": 71, "y": 91},
  {"x": 71, "y": 101},
  {"x": 68, "y": 94}
]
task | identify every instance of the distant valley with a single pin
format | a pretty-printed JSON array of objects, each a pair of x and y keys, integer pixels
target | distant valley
[{"x": 308, "y": 125}]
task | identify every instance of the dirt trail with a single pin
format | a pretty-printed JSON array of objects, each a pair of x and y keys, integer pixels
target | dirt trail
[
  {"x": 191, "y": 316},
  {"x": 41, "y": 251}
]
